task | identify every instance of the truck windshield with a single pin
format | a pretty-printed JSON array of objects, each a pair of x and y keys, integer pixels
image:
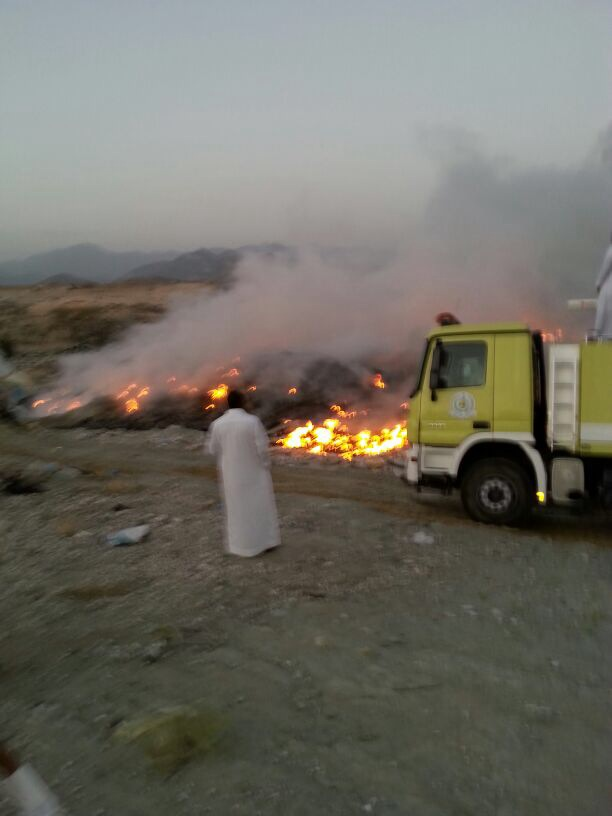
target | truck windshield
[{"x": 418, "y": 381}]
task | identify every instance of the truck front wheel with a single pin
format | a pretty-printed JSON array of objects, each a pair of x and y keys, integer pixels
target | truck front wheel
[{"x": 496, "y": 491}]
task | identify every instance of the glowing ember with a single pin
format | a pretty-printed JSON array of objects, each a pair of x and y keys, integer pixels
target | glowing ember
[
  {"x": 233, "y": 372},
  {"x": 333, "y": 437},
  {"x": 252, "y": 388},
  {"x": 39, "y": 402},
  {"x": 404, "y": 405},
  {"x": 210, "y": 407},
  {"x": 378, "y": 381},
  {"x": 292, "y": 392}
]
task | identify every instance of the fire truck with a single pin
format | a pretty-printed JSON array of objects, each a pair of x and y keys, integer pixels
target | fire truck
[{"x": 511, "y": 422}]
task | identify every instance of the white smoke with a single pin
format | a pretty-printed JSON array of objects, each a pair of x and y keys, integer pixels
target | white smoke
[{"x": 495, "y": 243}]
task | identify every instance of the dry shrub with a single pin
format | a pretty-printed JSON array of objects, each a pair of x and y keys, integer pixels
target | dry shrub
[
  {"x": 93, "y": 592},
  {"x": 172, "y": 736},
  {"x": 87, "y": 326}
]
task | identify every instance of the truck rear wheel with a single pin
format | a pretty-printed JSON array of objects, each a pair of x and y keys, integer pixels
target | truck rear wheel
[{"x": 497, "y": 491}]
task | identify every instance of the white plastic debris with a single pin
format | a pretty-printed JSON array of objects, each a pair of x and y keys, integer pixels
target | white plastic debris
[
  {"x": 28, "y": 791},
  {"x": 130, "y": 535},
  {"x": 421, "y": 537}
]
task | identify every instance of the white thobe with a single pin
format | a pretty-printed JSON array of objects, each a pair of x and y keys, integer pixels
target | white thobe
[
  {"x": 240, "y": 443},
  {"x": 603, "y": 318}
]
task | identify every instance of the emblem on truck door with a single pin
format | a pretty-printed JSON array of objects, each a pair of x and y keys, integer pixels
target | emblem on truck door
[{"x": 463, "y": 405}]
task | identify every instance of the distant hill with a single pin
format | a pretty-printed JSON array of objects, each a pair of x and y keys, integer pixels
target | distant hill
[
  {"x": 65, "y": 280},
  {"x": 86, "y": 261},
  {"x": 207, "y": 265},
  {"x": 83, "y": 263}
]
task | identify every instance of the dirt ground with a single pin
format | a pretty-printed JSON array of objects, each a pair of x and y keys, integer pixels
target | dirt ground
[
  {"x": 353, "y": 671},
  {"x": 45, "y": 321}
]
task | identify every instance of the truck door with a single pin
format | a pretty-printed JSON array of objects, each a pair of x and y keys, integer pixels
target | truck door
[{"x": 457, "y": 391}]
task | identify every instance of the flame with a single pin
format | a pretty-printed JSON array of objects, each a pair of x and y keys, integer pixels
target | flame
[
  {"x": 339, "y": 411},
  {"x": 73, "y": 405},
  {"x": 132, "y": 405},
  {"x": 292, "y": 392},
  {"x": 39, "y": 402},
  {"x": 233, "y": 372},
  {"x": 333, "y": 437},
  {"x": 210, "y": 407},
  {"x": 404, "y": 405},
  {"x": 378, "y": 381},
  {"x": 218, "y": 393},
  {"x": 252, "y": 388},
  {"x": 554, "y": 336},
  {"x": 144, "y": 392}
]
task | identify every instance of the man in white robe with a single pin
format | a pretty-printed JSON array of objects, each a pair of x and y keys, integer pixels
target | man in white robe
[
  {"x": 603, "y": 318},
  {"x": 240, "y": 444}
]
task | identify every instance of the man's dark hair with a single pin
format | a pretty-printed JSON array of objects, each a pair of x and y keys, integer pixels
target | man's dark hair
[
  {"x": 6, "y": 347},
  {"x": 235, "y": 399}
]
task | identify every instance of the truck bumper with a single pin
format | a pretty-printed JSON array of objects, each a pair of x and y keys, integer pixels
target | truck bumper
[{"x": 412, "y": 465}]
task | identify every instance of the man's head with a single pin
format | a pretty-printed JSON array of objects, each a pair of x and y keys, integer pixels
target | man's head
[
  {"x": 6, "y": 347},
  {"x": 235, "y": 399}
]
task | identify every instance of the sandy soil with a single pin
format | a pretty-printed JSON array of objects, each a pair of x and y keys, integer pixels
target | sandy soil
[{"x": 355, "y": 670}]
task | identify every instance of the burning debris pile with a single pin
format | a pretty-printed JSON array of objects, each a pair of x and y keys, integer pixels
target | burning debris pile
[{"x": 299, "y": 417}]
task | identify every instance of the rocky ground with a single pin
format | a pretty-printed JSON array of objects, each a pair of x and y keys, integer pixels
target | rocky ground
[{"x": 390, "y": 658}]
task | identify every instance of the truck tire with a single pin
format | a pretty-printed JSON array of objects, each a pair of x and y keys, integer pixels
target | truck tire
[{"x": 497, "y": 491}]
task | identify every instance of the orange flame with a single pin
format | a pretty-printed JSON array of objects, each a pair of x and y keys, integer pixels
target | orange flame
[
  {"x": 378, "y": 381},
  {"x": 554, "y": 336},
  {"x": 132, "y": 405},
  {"x": 292, "y": 392},
  {"x": 332, "y": 437},
  {"x": 218, "y": 393}
]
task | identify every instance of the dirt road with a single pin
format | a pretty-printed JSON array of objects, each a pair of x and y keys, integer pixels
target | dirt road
[{"x": 354, "y": 671}]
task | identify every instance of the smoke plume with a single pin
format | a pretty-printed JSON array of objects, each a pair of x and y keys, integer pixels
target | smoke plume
[{"x": 495, "y": 242}]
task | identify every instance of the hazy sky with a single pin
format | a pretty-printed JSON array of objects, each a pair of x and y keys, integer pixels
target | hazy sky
[{"x": 176, "y": 124}]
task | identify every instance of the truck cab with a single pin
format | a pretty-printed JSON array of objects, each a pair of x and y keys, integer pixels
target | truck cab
[{"x": 485, "y": 419}]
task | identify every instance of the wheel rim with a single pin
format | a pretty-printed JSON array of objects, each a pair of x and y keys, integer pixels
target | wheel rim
[{"x": 496, "y": 495}]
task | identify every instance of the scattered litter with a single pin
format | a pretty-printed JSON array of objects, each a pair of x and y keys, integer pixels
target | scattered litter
[
  {"x": 129, "y": 535},
  {"x": 421, "y": 537},
  {"x": 173, "y": 736},
  {"x": 27, "y": 790},
  {"x": 540, "y": 713},
  {"x": 152, "y": 653}
]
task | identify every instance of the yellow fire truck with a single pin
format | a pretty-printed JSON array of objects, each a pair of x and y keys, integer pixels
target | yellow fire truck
[{"x": 512, "y": 422}]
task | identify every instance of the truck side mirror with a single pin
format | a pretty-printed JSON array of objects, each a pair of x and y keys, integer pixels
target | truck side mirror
[{"x": 434, "y": 374}]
